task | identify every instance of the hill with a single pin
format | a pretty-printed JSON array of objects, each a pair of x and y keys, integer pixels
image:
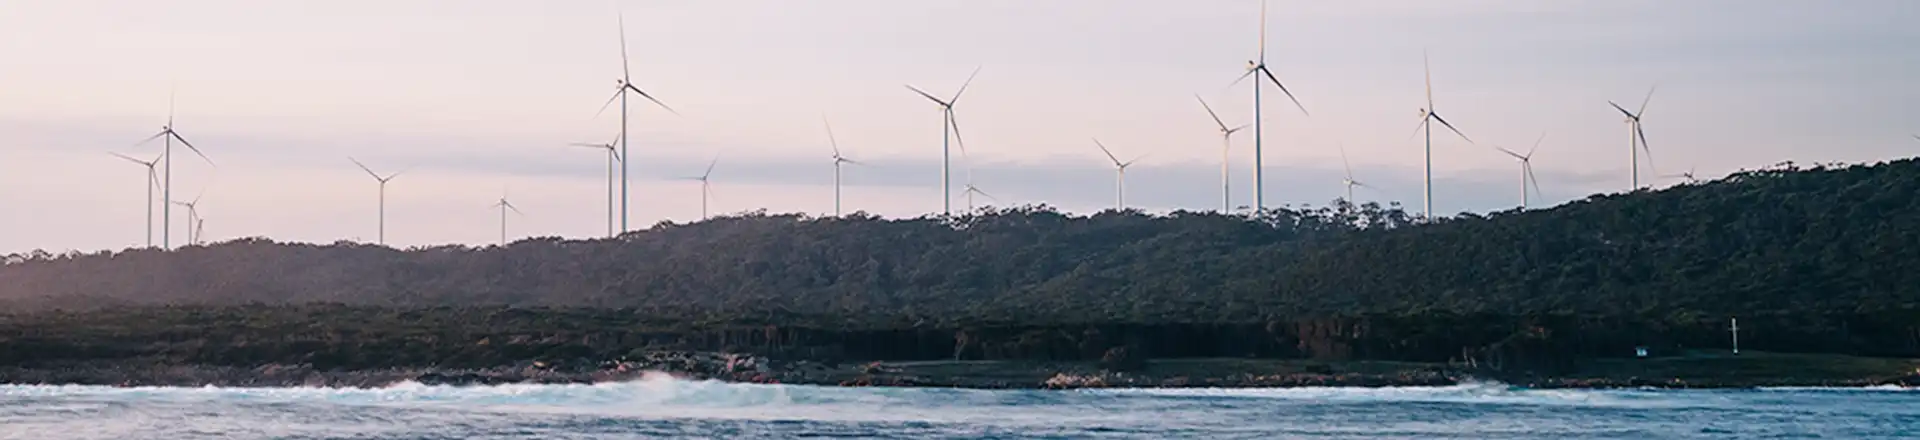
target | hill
[{"x": 1817, "y": 259}]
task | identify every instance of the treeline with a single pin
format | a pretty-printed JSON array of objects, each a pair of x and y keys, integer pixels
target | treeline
[{"x": 1833, "y": 244}]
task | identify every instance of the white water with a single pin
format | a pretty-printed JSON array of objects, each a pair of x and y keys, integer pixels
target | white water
[{"x": 660, "y": 407}]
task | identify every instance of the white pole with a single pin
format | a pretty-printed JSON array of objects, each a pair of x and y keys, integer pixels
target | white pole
[
  {"x": 1226, "y": 185},
  {"x": 946, "y": 161},
  {"x": 1736, "y": 334}
]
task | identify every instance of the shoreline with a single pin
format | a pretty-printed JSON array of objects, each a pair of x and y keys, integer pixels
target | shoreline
[{"x": 1705, "y": 373}]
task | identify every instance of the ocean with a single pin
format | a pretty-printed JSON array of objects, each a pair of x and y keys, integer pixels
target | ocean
[{"x": 660, "y": 407}]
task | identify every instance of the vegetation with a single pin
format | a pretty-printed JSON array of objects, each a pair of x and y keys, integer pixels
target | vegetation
[{"x": 1819, "y": 259}]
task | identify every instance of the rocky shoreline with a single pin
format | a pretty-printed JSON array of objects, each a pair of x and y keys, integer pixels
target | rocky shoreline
[{"x": 743, "y": 368}]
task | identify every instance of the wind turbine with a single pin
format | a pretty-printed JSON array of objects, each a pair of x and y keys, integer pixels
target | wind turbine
[
  {"x": 1688, "y": 176},
  {"x": 1259, "y": 66},
  {"x": 383, "y": 195},
  {"x": 153, "y": 179},
  {"x": 837, "y": 160},
  {"x": 1636, "y": 138},
  {"x": 1348, "y": 181},
  {"x": 167, "y": 135},
  {"x": 1120, "y": 176},
  {"x": 1427, "y": 115},
  {"x": 1526, "y": 169},
  {"x": 706, "y": 187},
  {"x": 949, "y": 130},
  {"x": 621, "y": 87},
  {"x": 1226, "y": 144},
  {"x": 193, "y": 218},
  {"x": 505, "y": 206},
  {"x": 613, "y": 157}
]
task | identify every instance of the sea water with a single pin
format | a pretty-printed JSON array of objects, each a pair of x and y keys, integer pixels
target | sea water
[{"x": 669, "y": 408}]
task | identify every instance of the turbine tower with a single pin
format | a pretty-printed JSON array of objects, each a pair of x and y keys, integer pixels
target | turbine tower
[
  {"x": 1226, "y": 144},
  {"x": 153, "y": 179},
  {"x": 383, "y": 195},
  {"x": 1259, "y": 66},
  {"x": 706, "y": 185},
  {"x": 167, "y": 136},
  {"x": 837, "y": 160},
  {"x": 1636, "y": 138},
  {"x": 613, "y": 157},
  {"x": 621, "y": 87},
  {"x": 1120, "y": 176},
  {"x": 1427, "y": 115},
  {"x": 949, "y": 130},
  {"x": 505, "y": 206},
  {"x": 1348, "y": 181},
  {"x": 1526, "y": 169}
]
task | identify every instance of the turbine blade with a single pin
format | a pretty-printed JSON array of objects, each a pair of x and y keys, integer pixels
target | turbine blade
[
  {"x": 1233, "y": 130},
  {"x": 1623, "y": 110},
  {"x": 855, "y": 162},
  {"x": 644, "y": 94},
  {"x": 154, "y": 178},
  {"x": 1417, "y": 128},
  {"x": 1536, "y": 145},
  {"x": 955, "y": 123},
  {"x": 1135, "y": 159},
  {"x": 151, "y": 138},
  {"x": 830, "y": 139},
  {"x": 1344, "y": 162},
  {"x": 1103, "y": 149},
  {"x": 1216, "y": 116},
  {"x": 196, "y": 150},
  {"x": 363, "y": 167},
  {"x": 1426, "y": 65},
  {"x": 1283, "y": 89},
  {"x": 1637, "y": 131},
  {"x": 976, "y": 190},
  {"x": 1534, "y": 180},
  {"x": 963, "y": 85},
  {"x": 1243, "y": 77},
  {"x": 1443, "y": 121},
  {"x": 1643, "y": 102},
  {"x": 622, "y": 20},
  {"x": 1510, "y": 152},
  {"x": 710, "y": 164},
  {"x": 128, "y": 158},
  {"x": 929, "y": 96},
  {"x": 1263, "y": 31},
  {"x": 609, "y": 103}
]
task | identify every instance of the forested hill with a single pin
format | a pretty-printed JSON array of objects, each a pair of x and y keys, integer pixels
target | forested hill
[{"x": 1819, "y": 240}]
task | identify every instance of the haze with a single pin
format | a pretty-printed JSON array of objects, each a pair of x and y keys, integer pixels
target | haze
[{"x": 478, "y": 98}]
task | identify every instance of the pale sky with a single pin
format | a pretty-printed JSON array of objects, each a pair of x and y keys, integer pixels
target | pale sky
[{"x": 479, "y": 97}]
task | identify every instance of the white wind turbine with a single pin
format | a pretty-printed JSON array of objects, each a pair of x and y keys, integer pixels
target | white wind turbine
[
  {"x": 167, "y": 135},
  {"x": 1687, "y": 176},
  {"x": 1429, "y": 114},
  {"x": 1226, "y": 144},
  {"x": 153, "y": 179},
  {"x": 1526, "y": 169},
  {"x": 193, "y": 218},
  {"x": 1119, "y": 177},
  {"x": 1349, "y": 182},
  {"x": 949, "y": 131},
  {"x": 706, "y": 185},
  {"x": 383, "y": 195},
  {"x": 1636, "y": 137},
  {"x": 1259, "y": 66},
  {"x": 838, "y": 159},
  {"x": 613, "y": 157},
  {"x": 621, "y": 87},
  {"x": 505, "y": 206}
]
